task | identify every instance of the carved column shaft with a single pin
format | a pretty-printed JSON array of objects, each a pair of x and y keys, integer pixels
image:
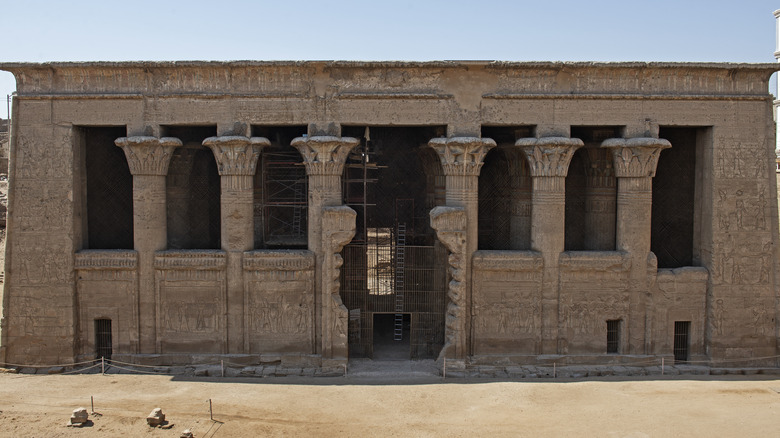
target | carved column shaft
[
  {"x": 236, "y": 159},
  {"x": 324, "y": 158},
  {"x": 548, "y": 162},
  {"x": 148, "y": 159},
  {"x": 635, "y": 162},
  {"x": 450, "y": 226},
  {"x": 461, "y": 161},
  {"x": 338, "y": 230}
]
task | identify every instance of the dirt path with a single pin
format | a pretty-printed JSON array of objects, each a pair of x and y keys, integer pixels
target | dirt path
[{"x": 40, "y": 406}]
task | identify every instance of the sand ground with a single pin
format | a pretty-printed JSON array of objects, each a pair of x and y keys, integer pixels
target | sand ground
[{"x": 689, "y": 406}]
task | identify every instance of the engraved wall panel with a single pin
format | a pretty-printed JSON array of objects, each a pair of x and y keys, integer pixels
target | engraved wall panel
[
  {"x": 507, "y": 302},
  {"x": 279, "y": 301}
]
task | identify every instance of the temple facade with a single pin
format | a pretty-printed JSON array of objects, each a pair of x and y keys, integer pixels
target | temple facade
[{"x": 488, "y": 213}]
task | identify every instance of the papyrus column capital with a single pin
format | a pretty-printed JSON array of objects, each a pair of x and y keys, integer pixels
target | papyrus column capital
[
  {"x": 148, "y": 155},
  {"x": 635, "y": 157},
  {"x": 324, "y": 155},
  {"x": 549, "y": 156},
  {"x": 236, "y": 155},
  {"x": 462, "y": 155}
]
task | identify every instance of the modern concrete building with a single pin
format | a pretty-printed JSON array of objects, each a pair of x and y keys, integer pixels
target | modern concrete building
[{"x": 491, "y": 213}]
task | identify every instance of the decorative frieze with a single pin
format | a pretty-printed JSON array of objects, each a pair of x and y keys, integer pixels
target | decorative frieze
[
  {"x": 182, "y": 259},
  {"x": 324, "y": 155},
  {"x": 549, "y": 156},
  {"x": 462, "y": 155},
  {"x": 278, "y": 260},
  {"x": 635, "y": 157},
  {"x": 236, "y": 155},
  {"x": 148, "y": 155},
  {"x": 507, "y": 261},
  {"x": 110, "y": 259}
]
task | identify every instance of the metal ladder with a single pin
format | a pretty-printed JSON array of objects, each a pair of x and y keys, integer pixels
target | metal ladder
[{"x": 400, "y": 249}]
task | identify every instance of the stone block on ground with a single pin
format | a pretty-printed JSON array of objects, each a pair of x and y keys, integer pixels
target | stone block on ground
[
  {"x": 155, "y": 418},
  {"x": 79, "y": 416}
]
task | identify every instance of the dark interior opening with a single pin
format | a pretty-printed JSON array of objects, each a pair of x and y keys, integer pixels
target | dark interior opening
[
  {"x": 504, "y": 219},
  {"x": 682, "y": 341},
  {"x": 103, "y": 339},
  {"x": 674, "y": 185},
  {"x": 591, "y": 192},
  {"x": 109, "y": 187},
  {"x": 394, "y": 264},
  {"x": 193, "y": 191},
  {"x": 387, "y": 345},
  {"x": 280, "y": 191},
  {"x": 613, "y": 336}
]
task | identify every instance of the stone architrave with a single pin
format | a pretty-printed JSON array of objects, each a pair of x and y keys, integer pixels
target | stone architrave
[
  {"x": 450, "y": 225},
  {"x": 324, "y": 157},
  {"x": 338, "y": 229},
  {"x": 635, "y": 161},
  {"x": 236, "y": 158},
  {"x": 461, "y": 161},
  {"x": 548, "y": 161},
  {"x": 148, "y": 159}
]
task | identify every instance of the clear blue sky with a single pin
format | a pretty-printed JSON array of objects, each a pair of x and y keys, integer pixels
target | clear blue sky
[{"x": 595, "y": 30}]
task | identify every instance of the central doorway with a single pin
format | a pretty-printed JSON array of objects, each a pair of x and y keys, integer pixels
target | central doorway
[{"x": 394, "y": 277}]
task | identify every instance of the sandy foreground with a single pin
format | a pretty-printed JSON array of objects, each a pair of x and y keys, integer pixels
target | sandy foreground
[{"x": 739, "y": 406}]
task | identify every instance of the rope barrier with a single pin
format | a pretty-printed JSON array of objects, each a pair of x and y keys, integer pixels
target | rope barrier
[
  {"x": 132, "y": 368},
  {"x": 46, "y": 366}
]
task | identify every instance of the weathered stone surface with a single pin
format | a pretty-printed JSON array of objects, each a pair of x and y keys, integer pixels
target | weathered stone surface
[
  {"x": 79, "y": 416},
  {"x": 283, "y": 308},
  {"x": 155, "y": 418}
]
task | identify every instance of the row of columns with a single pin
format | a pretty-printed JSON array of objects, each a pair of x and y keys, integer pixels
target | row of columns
[{"x": 324, "y": 156}]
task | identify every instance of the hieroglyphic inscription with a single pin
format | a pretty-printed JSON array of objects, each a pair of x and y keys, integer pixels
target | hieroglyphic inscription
[
  {"x": 742, "y": 209},
  {"x": 746, "y": 160},
  {"x": 585, "y": 315},
  {"x": 193, "y": 309}
]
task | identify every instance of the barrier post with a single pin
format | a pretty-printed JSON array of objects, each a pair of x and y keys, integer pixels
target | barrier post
[
  {"x": 662, "y": 366},
  {"x": 211, "y": 411},
  {"x": 555, "y": 371},
  {"x": 222, "y": 365},
  {"x": 92, "y": 401},
  {"x": 444, "y": 371},
  {"x": 102, "y": 365}
]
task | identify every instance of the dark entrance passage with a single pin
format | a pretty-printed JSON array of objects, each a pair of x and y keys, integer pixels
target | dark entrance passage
[
  {"x": 388, "y": 345},
  {"x": 103, "y": 339},
  {"x": 394, "y": 265}
]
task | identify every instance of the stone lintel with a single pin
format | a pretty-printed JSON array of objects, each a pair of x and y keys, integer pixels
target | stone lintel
[
  {"x": 324, "y": 154},
  {"x": 512, "y": 261},
  {"x": 592, "y": 261},
  {"x": 278, "y": 260},
  {"x": 209, "y": 260},
  {"x": 635, "y": 157},
  {"x": 236, "y": 155},
  {"x": 106, "y": 259},
  {"x": 549, "y": 156},
  {"x": 462, "y": 155},
  {"x": 148, "y": 155}
]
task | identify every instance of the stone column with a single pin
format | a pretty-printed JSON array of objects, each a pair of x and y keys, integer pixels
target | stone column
[
  {"x": 236, "y": 158},
  {"x": 548, "y": 162},
  {"x": 635, "y": 161},
  {"x": 148, "y": 159},
  {"x": 461, "y": 161},
  {"x": 324, "y": 158}
]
